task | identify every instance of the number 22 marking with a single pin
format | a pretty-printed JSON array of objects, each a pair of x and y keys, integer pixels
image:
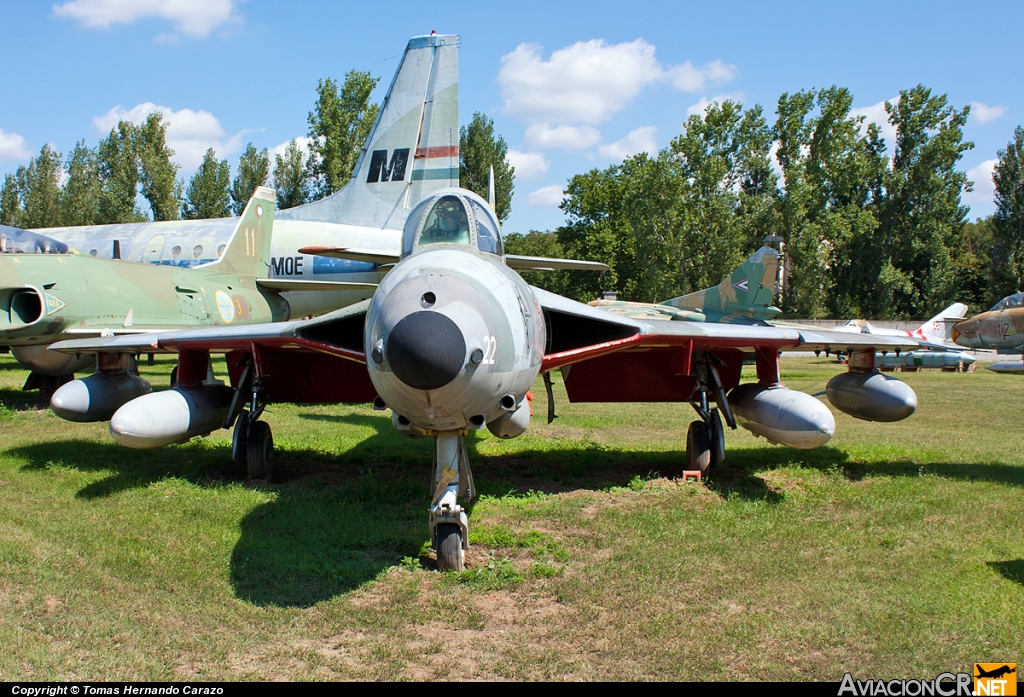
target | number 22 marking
[{"x": 490, "y": 349}]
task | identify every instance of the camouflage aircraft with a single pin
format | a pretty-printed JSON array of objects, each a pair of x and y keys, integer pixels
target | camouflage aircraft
[
  {"x": 411, "y": 151},
  {"x": 451, "y": 341},
  {"x": 49, "y": 297},
  {"x": 1001, "y": 328},
  {"x": 743, "y": 297}
]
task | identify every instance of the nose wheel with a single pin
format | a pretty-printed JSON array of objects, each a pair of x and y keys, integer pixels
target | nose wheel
[{"x": 449, "y": 528}]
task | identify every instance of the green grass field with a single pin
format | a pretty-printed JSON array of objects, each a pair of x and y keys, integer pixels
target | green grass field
[{"x": 894, "y": 551}]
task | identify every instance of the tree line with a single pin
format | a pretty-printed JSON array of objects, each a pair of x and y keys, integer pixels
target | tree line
[
  {"x": 866, "y": 234},
  {"x": 102, "y": 184}
]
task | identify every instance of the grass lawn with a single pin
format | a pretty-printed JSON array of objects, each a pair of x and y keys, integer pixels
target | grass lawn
[{"x": 894, "y": 551}]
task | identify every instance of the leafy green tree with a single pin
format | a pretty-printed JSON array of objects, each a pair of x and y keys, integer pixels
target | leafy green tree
[
  {"x": 827, "y": 208},
  {"x": 338, "y": 126},
  {"x": 119, "y": 172},
  {"x": 80, "y": 196},
  {"x": 596, "y": 228},
  {"x": 208, "y": 194},
  {"x": 40, "y": 187},
  {"x": 253, "y": 170},
  {"x": 1008, "y": 221},
  {"x": 10, "y": 202},
  {"x": 479, "y": 150},
  {"x": 158, "y": 174},
  {"x": 540, "y": 244},
  {"x": 921, "y": 217},
  {"x": 290, "y": 178}
]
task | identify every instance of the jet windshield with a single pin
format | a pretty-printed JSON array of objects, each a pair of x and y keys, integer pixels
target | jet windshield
[
  {"x": 487, "y": 237},
  {"x": 1015, "y": 300},
  {"x": 446, "y": 223}
]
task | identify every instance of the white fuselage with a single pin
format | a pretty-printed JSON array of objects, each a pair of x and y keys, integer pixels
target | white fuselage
[{"x": 453, "y": 338}]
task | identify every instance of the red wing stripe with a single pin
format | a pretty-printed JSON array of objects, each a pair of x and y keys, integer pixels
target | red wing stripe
[
  {"x": 438, "y": 151},
  {"x": 557, "y": 360},
  {"x": 285, "y": 342}
]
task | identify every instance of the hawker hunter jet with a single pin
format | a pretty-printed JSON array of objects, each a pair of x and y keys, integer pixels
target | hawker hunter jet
[
  {"x": 451, "y": 341},
  {"x": 412, "y": 150},
  {"x": 49, "y": 297}
]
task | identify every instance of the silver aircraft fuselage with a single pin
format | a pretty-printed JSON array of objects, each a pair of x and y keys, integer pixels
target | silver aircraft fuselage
[{"x": 454, "y": 339}]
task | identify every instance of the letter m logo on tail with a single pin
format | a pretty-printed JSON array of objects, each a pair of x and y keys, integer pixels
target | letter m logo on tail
[{"x": 381, "y": 171}]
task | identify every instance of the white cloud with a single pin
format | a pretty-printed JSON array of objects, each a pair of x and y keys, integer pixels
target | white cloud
[
  {"x": 876, "y": 114},
  {"x": 195, "y": 18},
  {"x": 983, "y": 113},
  {"x": 528, "y": 165},
  {"x": 703, "y": 103},
  {"x": 643, "y": 139},
  {"x": 301, "y": 141},
  {"x": 541, "y": 135},
  {"x": 12, "y": 147},
  {"x": 589, "y": 81},
  {"x": 984, "y": 187},
  {"x": 189, "y": 133},
  {"x": 688, "y": 78},
  {"x": 546, "y": 197}
]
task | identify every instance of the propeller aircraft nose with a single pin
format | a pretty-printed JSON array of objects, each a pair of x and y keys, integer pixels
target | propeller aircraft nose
[{"x": 426, "y": 350}]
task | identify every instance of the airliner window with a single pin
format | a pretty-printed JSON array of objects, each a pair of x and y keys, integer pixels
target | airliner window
[
  {"x": 446, "y": 223},
  {"x": 487, "y": 237}
]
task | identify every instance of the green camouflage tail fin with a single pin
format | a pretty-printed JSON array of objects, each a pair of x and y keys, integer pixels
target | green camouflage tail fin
[
  {"x": 744, "y": 296},
  {"x": 248, "y": 251}
]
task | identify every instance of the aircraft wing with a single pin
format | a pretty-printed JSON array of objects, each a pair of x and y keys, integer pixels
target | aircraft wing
[
  {"x": 374, "y": 256},
  {"x": 338, "y": 333},
  {"x": 581, "y": 332},
  {"x": 522, "y": 263},
  {"x": 290, "y": 284}
]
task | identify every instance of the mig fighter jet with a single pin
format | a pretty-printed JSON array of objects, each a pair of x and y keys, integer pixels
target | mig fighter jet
[{"x": 453, "y": 338}]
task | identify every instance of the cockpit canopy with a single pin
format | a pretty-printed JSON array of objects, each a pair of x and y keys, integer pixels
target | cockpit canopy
[
  {"x": 453, "y": 217},
  {"x": 1015, "y": 300},
  {"x": 14, "y": 240}
]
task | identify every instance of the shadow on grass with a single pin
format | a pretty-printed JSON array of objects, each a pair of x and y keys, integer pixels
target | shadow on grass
[
  {"x": 1012, "y": 570},
  {"x": 338, "y": 521},
  {"x": 17, "y": 400}
]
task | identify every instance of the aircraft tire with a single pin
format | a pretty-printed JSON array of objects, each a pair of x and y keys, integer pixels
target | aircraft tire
[
  {"x": 698, "y": 447},
  {"x": 259, "y": 455},
  {"x": 174, "y": 376},
  {"x": 240, "y": 440},
  {"x": 449, "y": 547},
  {"x": 717, "y": 433}
]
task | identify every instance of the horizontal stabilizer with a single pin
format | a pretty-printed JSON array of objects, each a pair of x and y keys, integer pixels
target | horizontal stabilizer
[
  {"x": 288, "y": 284},
  {"x": 374, "y": 256},
  {"x": 521, "y": 263}
]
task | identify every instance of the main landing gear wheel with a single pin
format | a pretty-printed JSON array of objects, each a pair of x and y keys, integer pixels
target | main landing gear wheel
[
  {"x": 717, "y": 435},
  {"x": 450, "y": 555},
  {"x": 240, "y": 440},
  {"x": 698, "y": 447},
  {"x": 259, "y": 455}
]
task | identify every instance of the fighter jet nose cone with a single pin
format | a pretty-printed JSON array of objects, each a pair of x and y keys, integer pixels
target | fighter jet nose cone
[{"x": 426, "y": 350}]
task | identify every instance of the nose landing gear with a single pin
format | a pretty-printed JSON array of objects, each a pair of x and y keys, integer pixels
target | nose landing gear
[{"x": 449, "y": 530}]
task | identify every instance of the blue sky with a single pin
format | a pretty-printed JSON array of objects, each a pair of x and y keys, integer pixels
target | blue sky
[{"x": 570, "y": 86}]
